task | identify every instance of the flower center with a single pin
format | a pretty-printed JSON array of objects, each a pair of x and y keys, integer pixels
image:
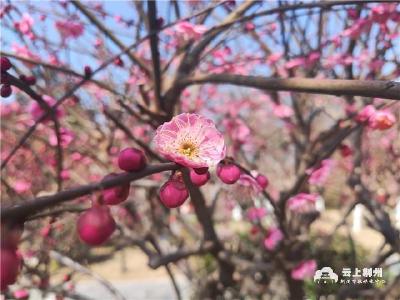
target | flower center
[{"x": 188, "y": 149}]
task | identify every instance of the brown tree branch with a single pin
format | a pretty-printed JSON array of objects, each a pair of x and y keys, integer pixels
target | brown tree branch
[
  {"x": 61, "y": 69},
  {"x": 29, "y": 207},
  {"x": 155, "y": 54},
  {"x": 291, "y": 7},
  {"x": 161, "y": 260},
  {"x": 204, "y": 217},
  {"x": 337, "y": 87}
]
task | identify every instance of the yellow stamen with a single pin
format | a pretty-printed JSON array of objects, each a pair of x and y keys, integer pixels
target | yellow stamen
[{"x": 188, "y": 149}]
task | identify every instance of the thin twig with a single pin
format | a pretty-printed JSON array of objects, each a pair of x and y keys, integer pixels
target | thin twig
[{"x": 66, "y": 261}]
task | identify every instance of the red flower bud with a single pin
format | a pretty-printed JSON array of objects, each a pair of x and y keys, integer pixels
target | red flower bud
[
  {"x": 10, "y": 263},
  {"x": 5, "y": 90},
  {"x": 199, "y": 179},
  {"x": 21, "y": 294},
  {"x": 117, "y": 194},
  {"x": 5, "y": 64},
  {"x": 201, "y": 170},
  {"x": 11, "y": 234},
  {"x": 249, "y": 26},
  {"x": 345, "y": 150},
  {"x": 160, "y": 22},
  {"x": 4, "y": 78},
  {"x": 228, "y": 173},
  {"x": 88, "y": 71},
  {"x": 262, "y": 181},
  {"x": 119, "y": 62},
  {"x": 131, "y": 159},
  {"x": 95, "y": 225},
  {"x": 30, "y": 80},
  {"x": 173, "y": 193}
]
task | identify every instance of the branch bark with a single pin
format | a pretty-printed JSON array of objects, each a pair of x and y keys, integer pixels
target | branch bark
[
  {"x": 155, "y": 54},
  {"x": 203, "y": 214},
  {"x": 29, "y": 207},
  {"x": 61, "y": 69},
  {"x": 161, "y": 260},
  {"x": 337, "y": 87}
]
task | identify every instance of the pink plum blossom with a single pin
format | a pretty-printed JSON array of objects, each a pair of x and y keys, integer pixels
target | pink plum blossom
[
  {"x": 256, "y": 213},
  {"x": 22, "y": 186},
  {"x": 6, "y": 109},
  {"x": 295, "y": 62},
  {"x": 381, "y": 13},
  {"x": 65, "y": 174},
  {"x": 21, "y": 294},
  {"x": 272, "y": 27},
  {"x": 237, "y": 129},
  {"x": 318, "y": 175},
  {"x": 220, "y": 55},
  {"x": 190, "y": 31},
  {"x": 250, "y": 182},
  {"x": 98, "y": 43},
  {"x": 282, "y": 110},
  {"x": 357, "y": 28},
  {"x": 274, "y": 236},
  {"x": 302, "y": 202},
  {"x": 45, "y": 231},
  {"x": 190, "y": 140},
  {"x": 246, "y": 188},
  {"x": 381, "y": 120},
  {"x": 37, "y": 111},
  {"x": 66, "y": 136},
  {"x": 23, "y": 51},
  {"x": 304, "y": 270},
  {"x": 307, "y": 61},
  {"x": 249, "y": 26},
  {"x": 274, "y": 58},
  {"x": 185, "y": 31},
  {"x": 53, "y": 60},
  {"x": 69, "y": 29},
  {"x": 118, "y": 19},
  {"x": 337, "y": 59},
  {"x": 76, "y": 156},
  {"x": 376, "y": 65},
  {"x": 352, "y": 13},
  {"x": 365, "y": 113},
  {"x": 376, "y": 119},
  {"x": 25, "y": 24},
  {"x": 313, "y": 57}
]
